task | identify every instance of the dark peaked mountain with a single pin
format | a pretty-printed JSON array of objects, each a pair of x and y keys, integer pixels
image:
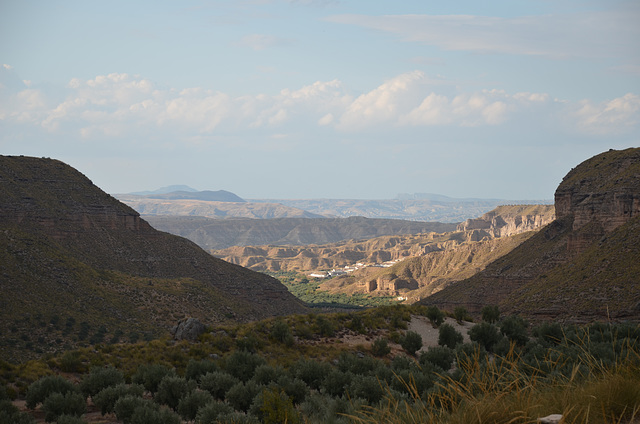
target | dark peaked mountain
[
  {"x": 71, "y": 253},
  {"x": 585, "y": 265}
]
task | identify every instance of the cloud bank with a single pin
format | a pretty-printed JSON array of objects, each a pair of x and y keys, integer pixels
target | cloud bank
[{"x": 130, "y": 106}]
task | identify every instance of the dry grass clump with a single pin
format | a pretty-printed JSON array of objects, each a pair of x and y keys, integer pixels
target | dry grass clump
[{"x": 508, "y": 391}]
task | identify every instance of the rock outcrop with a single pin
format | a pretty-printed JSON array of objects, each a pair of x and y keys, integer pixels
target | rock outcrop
[
  {"x": 505, "y": 221},
  {"x": 584, "y": 265},
  {"x": 188, "y": 329},
  {"x": 599, "y": 195}
]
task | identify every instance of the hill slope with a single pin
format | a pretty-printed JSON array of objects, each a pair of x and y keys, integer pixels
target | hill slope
[
  {"x": 220, "y": 234},
  {"x": 71, "y": 252},
  {"x": 585, "y": 264},
  {"x": 211, "y": 209}
]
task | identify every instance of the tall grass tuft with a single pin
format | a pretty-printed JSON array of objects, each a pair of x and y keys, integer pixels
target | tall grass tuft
[{"x": 508, "y": 390}]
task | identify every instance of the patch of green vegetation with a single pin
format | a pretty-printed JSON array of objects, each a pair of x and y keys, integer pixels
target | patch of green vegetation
[
  {"x": 309, "y": 291},
  {"x": 587, "y": 373}
]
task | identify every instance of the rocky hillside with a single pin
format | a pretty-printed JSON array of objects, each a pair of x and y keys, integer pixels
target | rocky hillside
[
  {"x": 214, "y": 234},
  {"x": 428, "y": 208},
  {"x": 585, "y": 264},
  {"x": 506, "y": 221},
  {"x": 173, "y": 205},
  {"x": 425, "y": 262},
  {"x": 72, "y": 254}
]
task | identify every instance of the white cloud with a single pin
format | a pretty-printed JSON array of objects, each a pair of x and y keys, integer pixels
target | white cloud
[
  {"x": 615, "y": 116},
  {"x": 592, "y": 34},
  {"x": 383, "y": 104},
  {"x": 131, "y": 107}
]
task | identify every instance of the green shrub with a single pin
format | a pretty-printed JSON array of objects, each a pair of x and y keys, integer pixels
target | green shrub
[
  {"x": 274, "y": 407},
  {"x": 435, "y": 315},
  {"x": 236, "y": 417},
  {"x": 295, "y": 388},
  {"x": 441, "y": 356},
  {"x": 357, "y": 324},
  {"x": 325, "y": 327},
  {"x": 249, "y": 343},
  {"x": 210, "y": 412},
  {"x": 190, "y": 404},
  {"x": 218, "y": 383},
  {"x": 196, "y": 369},
  {"x": 241, "y": 395},
  {"x": 57, "y": 404},
  {"x": 366, "y": 387},
  {"x": 401, "y": 362},
  {"x": 411, "y": 342},
  {"x": 70, "y": 419},
  {"x": 468, "y": 354},
  {"x": 549, "y": 332},
  {"x": 515, "y": 328},
  {"x": 10, "y": 414},
  {"x": 336, "y": 382},
  {"x": 310, "y": 371},
  {"x": 40, "y": 389},
  {"x": 412, "y": 382},
  {"x": 460, "y": 314},
  {"x": 281, "y": 333},
  {"x": 490, "y": 314},
  {"x": 242, "y": 364},
  {"x": 171, "y": 389},
  {"x": 356, "y": 364},
  {"x": 150, "y": 375},
  {"x": 148, "y": 414},
  {"x": 100, "y": 378},
  {"x": 126, "y": 405},
  {"x": 485, "y": 334},
  {"x": 448, "y": 336},
  {"x": 380, "y": 347},
  {"x": 71, "y": 361},
  {"x": 265, "y": 374},
  {"x": 327, "y": 410},
  {"x": 107, "y": 397}
]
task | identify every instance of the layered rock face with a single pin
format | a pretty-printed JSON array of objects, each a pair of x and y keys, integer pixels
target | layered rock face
[
  {"x": 506, "y": 221},
  {"x": 584, "y": 265},
  {"x": 599, "y": 195}
]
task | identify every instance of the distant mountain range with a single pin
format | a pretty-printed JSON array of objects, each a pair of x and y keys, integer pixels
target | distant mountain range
[
  {"x": 428, "y": 207},
  {"x": 436, "y": 208}
]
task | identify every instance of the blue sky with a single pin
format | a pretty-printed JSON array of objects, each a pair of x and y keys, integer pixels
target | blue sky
[{"x": 331, "y": 99}]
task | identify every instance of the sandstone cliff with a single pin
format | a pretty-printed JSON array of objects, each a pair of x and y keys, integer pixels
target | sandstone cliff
[
  {"x": 426, "y": 262},
  {"x": 505, "y": 221},
  {"x": 583, "y": 265}
]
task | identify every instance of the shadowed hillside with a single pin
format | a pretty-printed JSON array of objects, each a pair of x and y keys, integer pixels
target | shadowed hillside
[
  {"x": 215, "y": 234},
  {"x": 585, "y": 265},
  {"x": 72, "y": 254}
]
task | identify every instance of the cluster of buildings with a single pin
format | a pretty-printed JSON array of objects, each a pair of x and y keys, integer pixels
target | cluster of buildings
[{"x": 350, "y": 268}]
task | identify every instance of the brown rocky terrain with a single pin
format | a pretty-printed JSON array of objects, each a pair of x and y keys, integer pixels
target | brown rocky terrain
[
  {"x": 584, "y": 265},
  {"x": 70, "y": 251},
  {"x": 425, "y": 262}
]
